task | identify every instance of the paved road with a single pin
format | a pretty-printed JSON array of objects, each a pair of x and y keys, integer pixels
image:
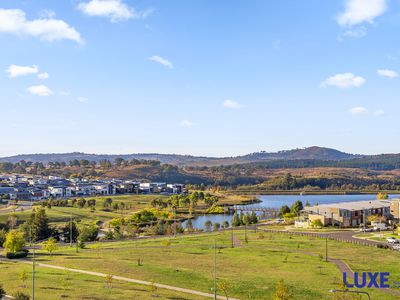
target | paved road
[{"x": 158, "y": 285}]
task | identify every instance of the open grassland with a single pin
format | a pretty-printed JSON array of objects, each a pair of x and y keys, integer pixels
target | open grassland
[
  {"x": 57, "y": 284},
  {"x": 62, "y": 214},
  {"x": 251, "y": 270}
]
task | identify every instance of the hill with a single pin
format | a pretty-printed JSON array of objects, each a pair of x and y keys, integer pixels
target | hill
[{"x": 314, "y": 153}]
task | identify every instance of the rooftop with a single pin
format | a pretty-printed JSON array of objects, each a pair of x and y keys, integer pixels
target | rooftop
[{"x": 356, "y": 205}]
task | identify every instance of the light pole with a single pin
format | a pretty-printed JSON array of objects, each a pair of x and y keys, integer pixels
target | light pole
[
  {"x": 353, "y": 292},
  {"x": 215, "y": 270},
  {"x": 326, "y": 250}
]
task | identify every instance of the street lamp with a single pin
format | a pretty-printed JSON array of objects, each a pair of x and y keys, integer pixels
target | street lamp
[{"x": 348, "y": 291}]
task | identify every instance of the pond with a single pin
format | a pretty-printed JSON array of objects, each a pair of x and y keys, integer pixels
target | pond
[{"x": 277, "y": 201}]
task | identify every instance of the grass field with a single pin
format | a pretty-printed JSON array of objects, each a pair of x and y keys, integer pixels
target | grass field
[
  {"x": 250, "y": 270},
  {"x": 62, "y": 214}
]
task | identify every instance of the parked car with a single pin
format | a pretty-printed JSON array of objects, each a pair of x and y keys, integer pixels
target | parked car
[
  {"x": 392, "y": 240},
  {"x": 366, "y": 229}
]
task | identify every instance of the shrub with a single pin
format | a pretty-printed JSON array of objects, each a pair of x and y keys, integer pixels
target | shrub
[
  {"x": 21, "y": 296},
  {"x": 15, "y": 255}
]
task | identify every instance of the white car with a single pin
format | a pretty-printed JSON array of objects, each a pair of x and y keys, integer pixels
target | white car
[{"x": 392, "y": 240}]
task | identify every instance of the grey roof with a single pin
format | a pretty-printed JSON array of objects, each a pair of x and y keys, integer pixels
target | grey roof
[{"x": 356, "y": 205}]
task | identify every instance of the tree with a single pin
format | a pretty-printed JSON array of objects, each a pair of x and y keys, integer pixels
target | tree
[
  {"x": 208, "y": 225},
  {"x": 12, "y": 221},
  {"x": 217, "y": 226},
  {"x": 189, "y": 225},
  {"x": 14, "y": 241},
  {"x": 382, "y": 196},
  {"x": 235, "y": 220},
  {"x": 224, "y": 286},
  {"x": 284, "y": 210},
  {"x": 282, "y": 291},
  {"x": 253, "y": 218},
  {"x": 66, "y": 232},
  {"x": 50, "y": 245},
  {"x": 107, "y": 203},
  {"x": 317, "y": 223},
  {"x": 88, "y": 233},
  {"x": 24, "y": 277},
  {"x": 297, "y": 207},
  {"x": 225, "y": 224},
  {"x": 37, "y": 227}
]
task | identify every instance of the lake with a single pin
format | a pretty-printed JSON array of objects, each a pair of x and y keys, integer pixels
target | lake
[{"x": 276, "y": 201}]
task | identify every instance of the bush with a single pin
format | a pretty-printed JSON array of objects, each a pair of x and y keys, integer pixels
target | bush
[
  {"x": 15, "y": 255},
  {"x": 381, "y": 246},
  {"x": 21, "y": 296}
]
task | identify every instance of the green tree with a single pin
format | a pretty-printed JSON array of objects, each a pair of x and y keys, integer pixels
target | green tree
[
  {"x": 37, "y": 226},
  {"x": 317, "y": 223},
  {"x": 208, "y": 225},
  {"x": 14, "y": 241},
  {"x": 24, "y": 277},
  {"x": 284, "y": 210},
  {"x": 253, "y": 218},
  {"x": 282, "y": 291},
  {"x": 297, "y": 207},
  {"x": 382, "y": 196},
  {"x": 236, "y": 220},
  {"x": 50, "y": 245},
  {"x": 216, "y": 226}
]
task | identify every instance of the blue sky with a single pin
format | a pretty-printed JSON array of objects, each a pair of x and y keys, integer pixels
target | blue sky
[{"x": 200, "y": 77}]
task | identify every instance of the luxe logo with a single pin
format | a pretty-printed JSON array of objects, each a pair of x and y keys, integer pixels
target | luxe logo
[{"x": 377, "y": 280}]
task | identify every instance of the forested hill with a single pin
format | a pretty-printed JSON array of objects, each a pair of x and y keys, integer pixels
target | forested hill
[{"x": 311, "y": 153}]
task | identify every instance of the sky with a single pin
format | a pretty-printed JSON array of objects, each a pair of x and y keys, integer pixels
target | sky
[{"x": 200, "y": 77}]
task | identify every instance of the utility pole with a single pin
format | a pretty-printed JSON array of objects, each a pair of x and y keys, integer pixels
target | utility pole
[
  {"x": 326, "y": 249},
  {"x": 215, "y": 270},
  {"x": 33, "y": 274},
  {"x": 174, "y": 222},
  {"x": 70, "y": 232},
  {"x": 232, "y": 236}
]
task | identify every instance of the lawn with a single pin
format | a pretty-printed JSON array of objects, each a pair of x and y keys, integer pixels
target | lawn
[
  {"x": 251, "y": 270},
  {"x": 62, "y": 214},
  {"x": 54, "y": 284}
]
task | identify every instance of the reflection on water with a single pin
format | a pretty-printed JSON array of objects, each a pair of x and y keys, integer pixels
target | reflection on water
[{"x": 276, "y": 201}]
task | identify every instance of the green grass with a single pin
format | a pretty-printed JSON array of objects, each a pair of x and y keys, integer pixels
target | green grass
[
  {"x": 62, "y": 214},
  {"x": 55, "y": 284},
  {"x": 251, "y": 270}
]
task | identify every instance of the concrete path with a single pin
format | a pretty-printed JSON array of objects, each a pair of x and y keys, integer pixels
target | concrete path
[{"x": 142, "y": 282}]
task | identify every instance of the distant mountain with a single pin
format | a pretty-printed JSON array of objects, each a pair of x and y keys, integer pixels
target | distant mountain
[{"x": 311, "y": 153}]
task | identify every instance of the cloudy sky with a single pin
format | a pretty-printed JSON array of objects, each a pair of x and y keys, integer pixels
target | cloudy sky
[{"x": 199, "y": 77}]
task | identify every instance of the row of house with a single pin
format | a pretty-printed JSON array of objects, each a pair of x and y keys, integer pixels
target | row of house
[
  {"x": 350, "y": 214},
  {"x": 41, "y": 187}
]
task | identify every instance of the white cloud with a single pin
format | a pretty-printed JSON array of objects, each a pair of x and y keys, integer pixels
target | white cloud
[
  {"x": 115, "y": 10},
  {"x": 64, "y": 93},
  {"x": 186, "y": 123},
  {"x": 344, "y": 81},
  {"x": 388, "y": 73},
  {"x": 15, "y": 71},
  {"x": 83, "y": 99},
  {"x": 355, "y": 33},
  {"x": 40, "y": 90},
  {"x": 379, "y": 113},
  {"x": 359, "y": 11},
  {"x": 43, "y": 75},
  {"x": 160, "y": 60},
  {"x": 231, "y": 104},
  {"x": 14, "y": 21},
  {"x": 358, "y": 110}
]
